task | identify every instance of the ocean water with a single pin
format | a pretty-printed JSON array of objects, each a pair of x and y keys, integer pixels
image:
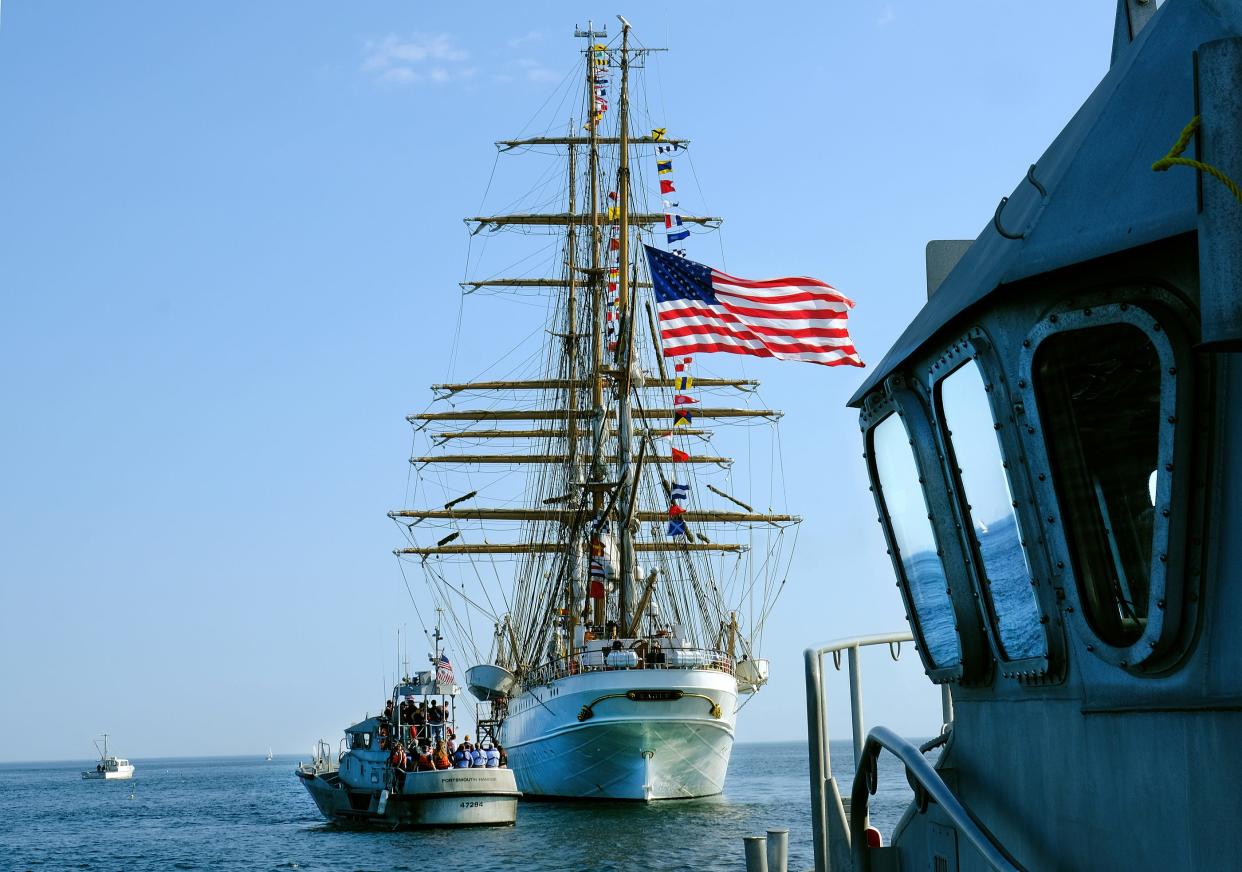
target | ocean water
[{"x": 229, "y": 813}]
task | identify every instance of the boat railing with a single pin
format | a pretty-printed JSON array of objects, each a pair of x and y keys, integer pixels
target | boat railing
[
  {"x": 597, "y": 661},
  {"x": 831, "y": 831},
  {"x": 928, "y": 787}
]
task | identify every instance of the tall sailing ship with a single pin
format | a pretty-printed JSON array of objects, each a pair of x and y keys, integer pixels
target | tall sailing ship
[{"x": 620, "y": 638}]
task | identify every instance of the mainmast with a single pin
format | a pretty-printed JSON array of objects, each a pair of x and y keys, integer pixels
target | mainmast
[{"x": 624, "y": 425}]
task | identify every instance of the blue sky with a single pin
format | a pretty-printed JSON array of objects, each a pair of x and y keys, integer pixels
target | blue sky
[{"x": 230, "y": 239}]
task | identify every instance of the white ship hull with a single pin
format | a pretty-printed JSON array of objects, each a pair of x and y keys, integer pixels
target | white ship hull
[
  {"x": 629, "y": 747},
  {"x": 121, "y": 772}
]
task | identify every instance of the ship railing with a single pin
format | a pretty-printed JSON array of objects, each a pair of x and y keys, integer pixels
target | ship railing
[
  {"x": 672, "y": 658},
  {"x": 830, "y": 827},
  {"x": 928, "y": 787}
]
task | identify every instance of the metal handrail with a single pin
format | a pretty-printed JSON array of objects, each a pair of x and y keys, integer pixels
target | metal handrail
[
  {"x": 928, "y": 786},
  {"x": 817, "y": 739}
]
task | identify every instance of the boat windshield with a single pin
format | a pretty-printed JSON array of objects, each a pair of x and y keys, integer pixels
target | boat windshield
[
  {"x": 988, "y": 506},
  {"x": 908, "y": 516}
]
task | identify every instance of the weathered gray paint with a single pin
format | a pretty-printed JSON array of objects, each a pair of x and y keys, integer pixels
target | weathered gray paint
[
  {"x": 1220, "y": 223},
  {"x": 1103, "y": 762},
  {"x": 941, "y": 256}
]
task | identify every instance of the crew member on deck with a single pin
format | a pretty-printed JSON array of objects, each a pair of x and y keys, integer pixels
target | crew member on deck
[{"x": 435, "y": 717}]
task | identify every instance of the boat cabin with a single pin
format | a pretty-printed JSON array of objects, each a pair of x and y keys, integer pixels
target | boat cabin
[{"x": 1053, "y": 446}]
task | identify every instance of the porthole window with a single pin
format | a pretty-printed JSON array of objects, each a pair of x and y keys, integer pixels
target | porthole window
[
  {"x": 905, "y": 505},
  {"x": 1099, "y": 400},
  {"x": 996, "y": 540}
]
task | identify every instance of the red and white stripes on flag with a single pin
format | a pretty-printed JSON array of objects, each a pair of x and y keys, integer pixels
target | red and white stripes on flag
[{"x": 705, "y": 310}]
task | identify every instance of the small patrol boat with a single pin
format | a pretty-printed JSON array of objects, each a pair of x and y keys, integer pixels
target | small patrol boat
[
  {"x": 362, "y": 785},
  {"x": 109, "y": 767}
]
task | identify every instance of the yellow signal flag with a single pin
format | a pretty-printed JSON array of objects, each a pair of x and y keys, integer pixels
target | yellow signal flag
[{"x": 657, "y": 133}]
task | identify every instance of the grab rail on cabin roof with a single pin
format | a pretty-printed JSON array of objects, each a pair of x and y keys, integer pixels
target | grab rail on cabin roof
[
  {"x": 827, "y": 810},
  {"x": 928, "y": 787}
]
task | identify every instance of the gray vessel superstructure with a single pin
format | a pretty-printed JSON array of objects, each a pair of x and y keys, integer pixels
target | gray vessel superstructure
[{"x": 1054, "y": 446}]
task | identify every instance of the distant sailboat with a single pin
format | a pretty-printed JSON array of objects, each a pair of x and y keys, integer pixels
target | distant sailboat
[{"x": 269, "y": 754}]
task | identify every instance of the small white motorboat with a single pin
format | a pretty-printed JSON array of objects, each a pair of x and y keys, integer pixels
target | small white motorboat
[{"x": 109, "y": 767}]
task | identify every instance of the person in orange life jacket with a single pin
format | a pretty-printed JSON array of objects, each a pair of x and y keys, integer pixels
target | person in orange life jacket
[
  {"x": 425, "y": 763},
  {"x": 441, "y": 758}
]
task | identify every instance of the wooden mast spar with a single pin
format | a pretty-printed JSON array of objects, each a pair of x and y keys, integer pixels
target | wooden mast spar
[{"x": 600, "y": 474}]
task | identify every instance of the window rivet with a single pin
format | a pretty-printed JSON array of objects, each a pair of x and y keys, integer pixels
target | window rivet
[
  {"x": 1021, "y": 382},
  {"x": 1090, "y": 647},
  {"x": 1042, "y": 477},
  {"x": 1164, "y": 512},
  {"x": 1053, "y": 319},
  {"x": 996, "y": 426},
  {"x": 1051, "y": 519},
  {"x": 1172, "y": 370},
  {"x": 1069, "y": 609},
  {"x": 1086, "y": 311},
  {"x": 1125, "y": 307},
  {"x": 1164, "y": 558},
  {"x": 1168, "y": 467},
  {"x": 1152, "y": 643},
  {"x": 1043, "y": 619},
  {"x": 1125, "y": 663},
  {"x": 1030, "y": 429},
  {"x": 1060, "y": 564},
  {"x": 1160, "y": 604},
  {"x": 1026, "y": 343}
]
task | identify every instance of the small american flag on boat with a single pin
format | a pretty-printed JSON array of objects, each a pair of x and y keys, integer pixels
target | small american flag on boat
[
  {"x": 703, "y": 310},
  {"x": 444, "y": 670}
]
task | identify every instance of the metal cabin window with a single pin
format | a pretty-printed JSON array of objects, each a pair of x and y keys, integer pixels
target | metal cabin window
[
  {"x": 905, "y": 505},
  {"x": 1004, "y": 575},
  {"x": 1099, "y": 400}
]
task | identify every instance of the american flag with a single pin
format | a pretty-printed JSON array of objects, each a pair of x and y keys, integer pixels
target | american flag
[
  {"x": 444, "y": 670},
  {"x": 703, "y": 310}
]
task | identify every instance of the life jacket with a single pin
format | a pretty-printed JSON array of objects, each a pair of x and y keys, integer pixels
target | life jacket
[
  {"x": 424, "y": 763},
  {"x": 493, "y": 758},
  {"x": 442, "y": 762},
  {"x": 461, "y": 758}
]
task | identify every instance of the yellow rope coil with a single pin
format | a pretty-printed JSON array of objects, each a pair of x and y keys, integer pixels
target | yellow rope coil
[{"x": 1174, "y": 158}]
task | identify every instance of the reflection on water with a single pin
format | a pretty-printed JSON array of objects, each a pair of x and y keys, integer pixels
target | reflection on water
[
  {"x": 973, "y": 436},
  {"x": 908, "y": 515},
  {"x": 925, "y": 572},
  {"x": 1013, "y": 599}
]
